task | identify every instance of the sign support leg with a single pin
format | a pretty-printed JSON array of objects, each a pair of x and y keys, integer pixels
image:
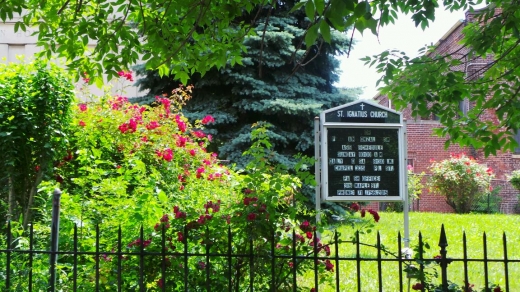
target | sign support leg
[
  {"x": 406, "y": 221},
  {"x": 317, "y": 165},
  {"x": 406, "y": 202}
]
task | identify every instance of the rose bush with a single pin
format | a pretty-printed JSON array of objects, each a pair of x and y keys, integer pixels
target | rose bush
[
  {"x": 142, "y": 158},
  {"x": 128, "y": 165},
  {"x": 461, "y": 180}
]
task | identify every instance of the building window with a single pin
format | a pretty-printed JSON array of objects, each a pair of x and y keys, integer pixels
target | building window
[
  {"x": 464, "y": 107},
  {"x": 410, "y": 163}
]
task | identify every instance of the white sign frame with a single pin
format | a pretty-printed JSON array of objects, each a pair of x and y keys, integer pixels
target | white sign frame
[{"x": 402, "y": 159}]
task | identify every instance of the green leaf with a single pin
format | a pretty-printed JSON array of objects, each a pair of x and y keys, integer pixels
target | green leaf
[
  {"x": 146, "y": 56},
  {"x": 320, "y": 6},
  {"x": 162, "y": 197},
  {"x": 163, "y": 70},
  {"x": 325, "y": 31},
  {"x": 23, "y": 28},
  {"x": 372, "y": 25},
  {"x": 182, "y": 76},
  {"x": 85, "y": 40},
  {"x": 297, "y": 6},
  {"x": 98, "y": 80},
  {"x": 361, "y": 9},
  {"x": 312, "y": 35},
  {"x": 349, "y": 4},
  {"x": 309, "y": 10},
  {"x": 361, "y": 24}
]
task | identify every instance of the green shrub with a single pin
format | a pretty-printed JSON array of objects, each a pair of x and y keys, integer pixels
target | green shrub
[
  {"x": 35, "y": 102},
  {"x": 488, "y": 203},
  {"x": 415, "y": 188},
  {"x": 514, "y": 179},
  {"x": 461, "y": 180},
  {"x": 130, "y": 168}
]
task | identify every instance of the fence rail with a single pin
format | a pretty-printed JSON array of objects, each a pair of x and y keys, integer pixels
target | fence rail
[{"x": 130, "y": 269}]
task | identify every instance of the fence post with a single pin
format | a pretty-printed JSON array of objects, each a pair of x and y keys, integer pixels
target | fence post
[
  {"x": 8, "y": 258},
  {"x": 55, "y": 226},
  {"x": 443, "y": 261}
]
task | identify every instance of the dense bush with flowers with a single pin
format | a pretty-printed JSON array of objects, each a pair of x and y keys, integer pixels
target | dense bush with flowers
[
  {"x": 461, "y": 180},
  {"x": 249, "y": 230},
  {"x": 138, "y": 158},
  {"x": 128, "y": 165}
]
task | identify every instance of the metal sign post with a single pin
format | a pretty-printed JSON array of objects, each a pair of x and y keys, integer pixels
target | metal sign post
[{"x": 317, "y": 164}]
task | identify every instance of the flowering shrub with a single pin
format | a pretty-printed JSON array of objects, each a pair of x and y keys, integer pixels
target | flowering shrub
[
  {"x": 128, "y": 165},
  {"x": 461, "y": 180},
  {"x": 128, "y": 180},
  {"x": 248, "y": 226},
  {"x": 514, "y": 179}
]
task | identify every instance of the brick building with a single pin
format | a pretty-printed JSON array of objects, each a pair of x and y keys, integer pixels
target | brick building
[{"x": 423, "y": 146}]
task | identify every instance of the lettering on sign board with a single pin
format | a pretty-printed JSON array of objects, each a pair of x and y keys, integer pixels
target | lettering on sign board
[
  {"x": 363, "y": 162},
  {"x": 362, "y": 113}
]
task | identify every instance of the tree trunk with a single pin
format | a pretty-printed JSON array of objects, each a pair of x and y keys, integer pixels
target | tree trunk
[
  {"x": 11, "y": 200},
  {"x": 28, "y": 211}
]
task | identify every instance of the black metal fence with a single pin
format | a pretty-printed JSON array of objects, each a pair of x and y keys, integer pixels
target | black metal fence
[
  {"x": 276, "y": 261},
  {"x": 104, "y": 270}
]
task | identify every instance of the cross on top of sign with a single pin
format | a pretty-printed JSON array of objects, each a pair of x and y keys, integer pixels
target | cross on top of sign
[{"x": 362, "y": 106}]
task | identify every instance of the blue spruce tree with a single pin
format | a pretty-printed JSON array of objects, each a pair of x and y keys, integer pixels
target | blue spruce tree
[{"x": 279, "y": 81}]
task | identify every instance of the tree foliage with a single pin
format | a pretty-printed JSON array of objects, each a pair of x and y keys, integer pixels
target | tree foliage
[
  {"x": 35, "y": 101},
  {"x": 435, "y": 83},
  {"x": 266, "y": 86},
  {"x": 184, "y": 36}
]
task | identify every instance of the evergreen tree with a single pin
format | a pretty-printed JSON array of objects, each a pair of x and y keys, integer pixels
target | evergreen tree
[{"x": 276, "y": 82}]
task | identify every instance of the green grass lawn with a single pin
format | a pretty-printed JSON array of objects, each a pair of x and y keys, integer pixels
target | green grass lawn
[{"x": 429, "y": 224}]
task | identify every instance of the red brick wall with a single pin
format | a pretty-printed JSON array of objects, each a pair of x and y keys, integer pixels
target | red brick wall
[{"x": 423, "y": 146}]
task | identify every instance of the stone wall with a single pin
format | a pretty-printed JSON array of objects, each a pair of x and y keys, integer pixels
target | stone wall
[{"x": 14, "y": 43}]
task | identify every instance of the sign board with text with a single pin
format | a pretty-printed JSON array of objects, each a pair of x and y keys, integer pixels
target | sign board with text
[{"x": 362, "y": 153}]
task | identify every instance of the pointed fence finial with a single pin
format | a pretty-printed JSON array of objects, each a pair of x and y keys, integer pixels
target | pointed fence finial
[{"x": 443, "y": 242}]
